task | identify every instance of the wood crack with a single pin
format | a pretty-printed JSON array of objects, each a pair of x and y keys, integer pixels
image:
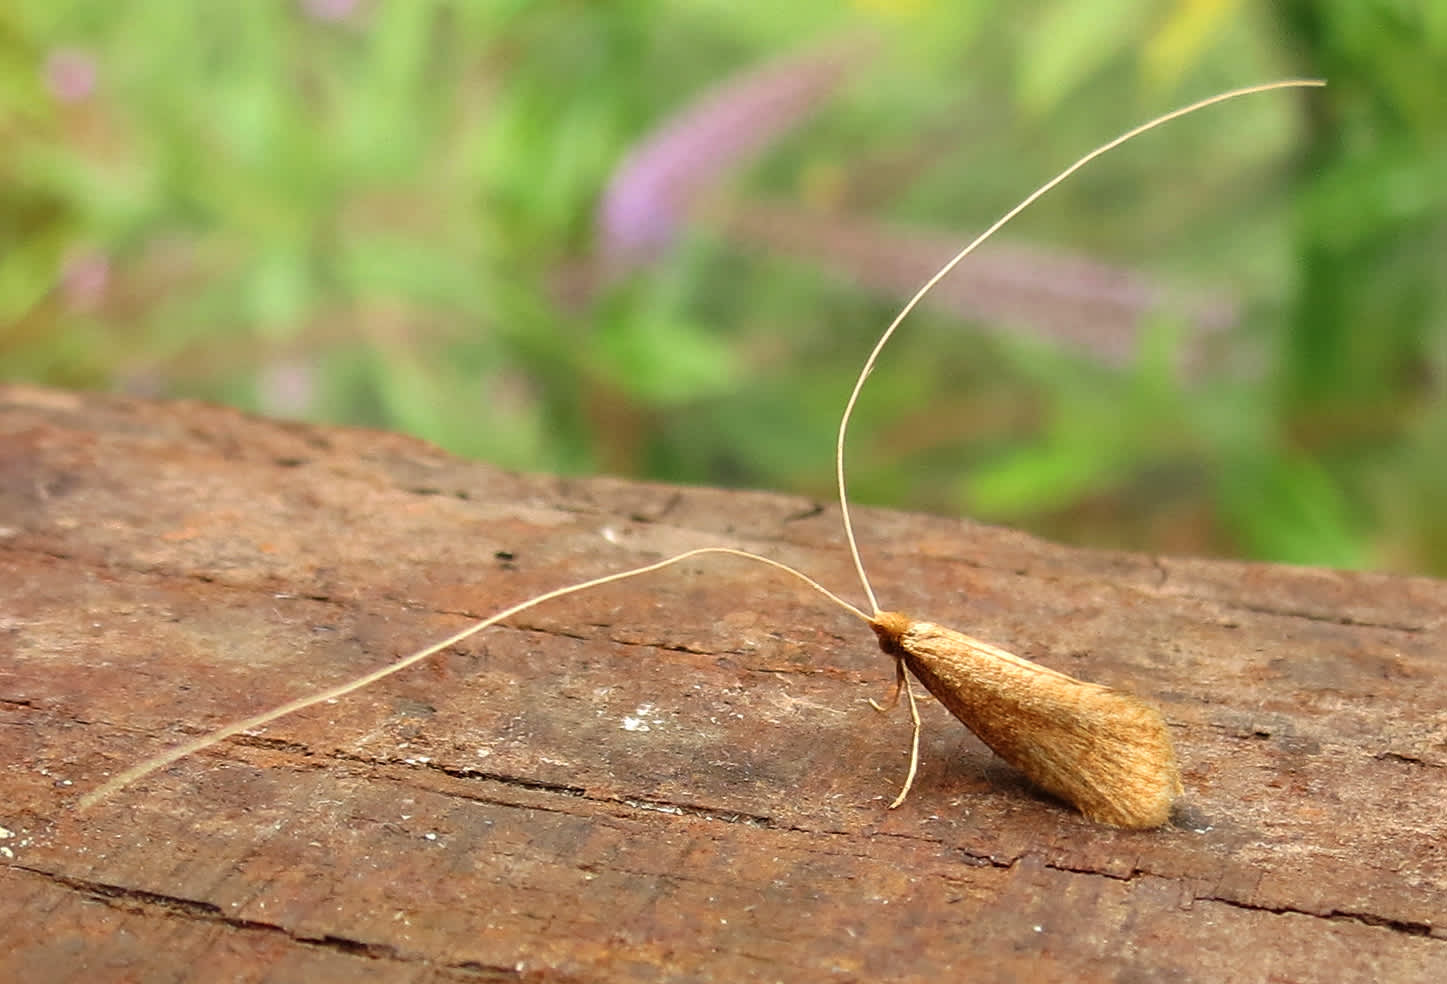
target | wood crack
[
  {"x": 144, "y": 902},
  {"x": 1311, "y": 616},
  {"x": 1408, "y": 927}
]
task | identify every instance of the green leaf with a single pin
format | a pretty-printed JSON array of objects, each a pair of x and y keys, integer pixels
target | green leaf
[
  {"x": 1071, "y": 41},
  {"x": 1176, "y": 45},
  {"x": 278, "y": 292},
  {"x": 1288, "y": 509},
  {"x": 380, "y": 266},
  {"x": 662, "y": 360},
  {"x": 1037, "y": 478}
]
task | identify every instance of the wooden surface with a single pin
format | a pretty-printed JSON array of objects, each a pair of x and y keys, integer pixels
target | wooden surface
[{"x": 676, "y": 778}]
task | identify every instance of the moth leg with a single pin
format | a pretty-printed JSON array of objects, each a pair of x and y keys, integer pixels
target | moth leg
[
  {"x": 914, "y": 743},
  {"x": 899, "y": 684}
]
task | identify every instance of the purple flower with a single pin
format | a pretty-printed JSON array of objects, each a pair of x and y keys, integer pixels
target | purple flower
[
  {"x": 287, "y": 388},
  {"x": 70, "y": 74},
  {"x": 84, "y": 277},
  {"x": 717, "y": 133},
  {"x": 333, "y": 11}
]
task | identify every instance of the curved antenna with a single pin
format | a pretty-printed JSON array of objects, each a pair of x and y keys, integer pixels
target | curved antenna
[
  {"x": 945, "y": 270},
  {"x": 150, "y": 765}
]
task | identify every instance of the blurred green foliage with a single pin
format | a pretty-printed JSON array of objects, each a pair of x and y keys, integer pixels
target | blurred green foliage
[{"x": 381, "y": 212}]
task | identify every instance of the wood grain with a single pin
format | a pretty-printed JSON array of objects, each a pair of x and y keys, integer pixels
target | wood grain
[{"x": 676, "y": 778}]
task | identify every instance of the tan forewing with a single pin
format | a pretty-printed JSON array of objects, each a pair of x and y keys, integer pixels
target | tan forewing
[{"x": 1106, "y": 752}]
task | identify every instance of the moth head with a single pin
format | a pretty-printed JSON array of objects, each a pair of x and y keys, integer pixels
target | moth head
[{"x": 889, "y": 627}]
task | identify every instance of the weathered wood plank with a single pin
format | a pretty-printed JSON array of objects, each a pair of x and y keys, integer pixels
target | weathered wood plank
[{"x": 673, "y": 778}]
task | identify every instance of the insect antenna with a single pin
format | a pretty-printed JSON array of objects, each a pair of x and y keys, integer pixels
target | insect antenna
[{"x": 944, "y": 271}]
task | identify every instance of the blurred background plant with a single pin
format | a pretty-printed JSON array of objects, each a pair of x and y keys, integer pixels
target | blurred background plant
[{"x": 657, "y": 239}]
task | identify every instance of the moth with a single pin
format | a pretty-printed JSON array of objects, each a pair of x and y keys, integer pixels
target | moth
[{"x": 1107, "y": 753}]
